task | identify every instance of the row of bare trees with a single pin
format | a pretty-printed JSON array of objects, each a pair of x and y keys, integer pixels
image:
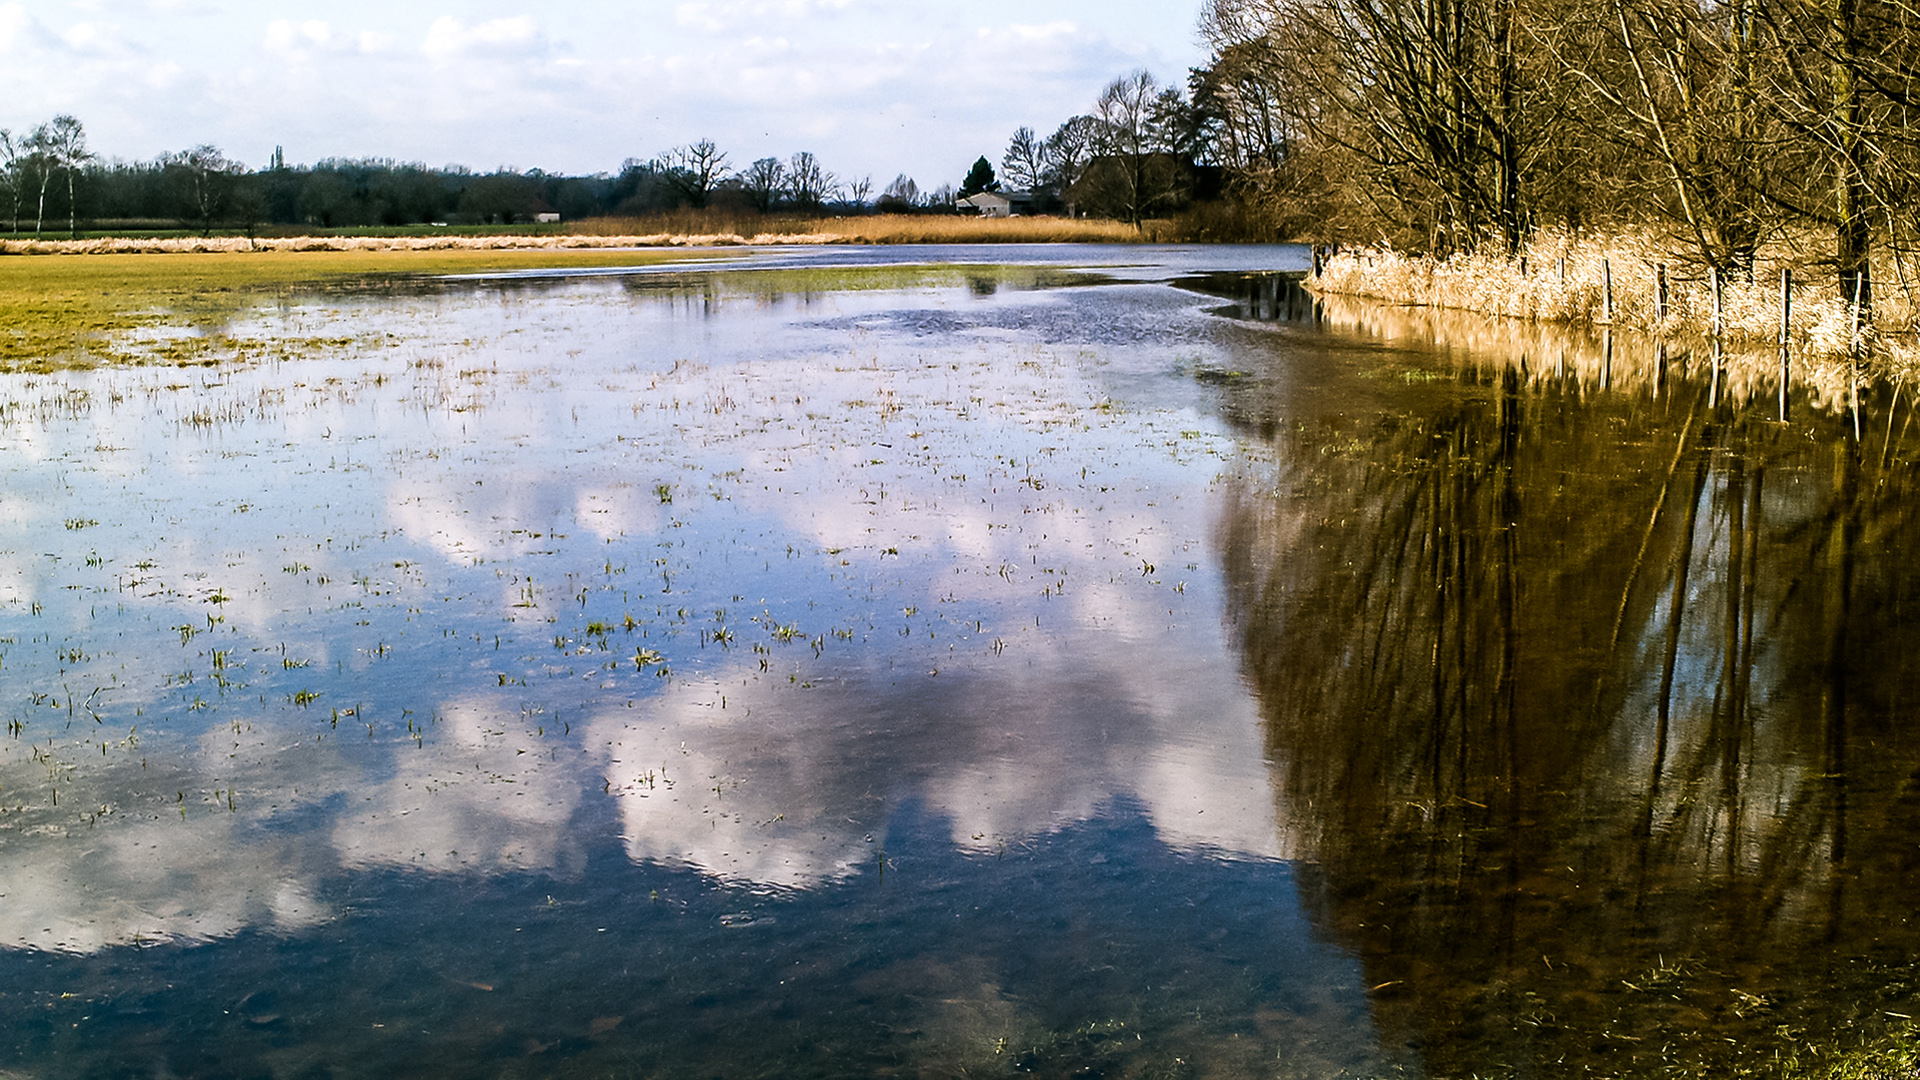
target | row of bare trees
[
  {"x": 1131, "y": 156},
  {"x": 33, "y": 160},
  {"x": 1443, "y": 125}
]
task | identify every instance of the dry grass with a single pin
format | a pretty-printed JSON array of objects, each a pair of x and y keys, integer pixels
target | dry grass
[
  {"x": 683, "y": 229},
  {"x": 876, "y": 229},
  {"x": 1531, "y": 284}
]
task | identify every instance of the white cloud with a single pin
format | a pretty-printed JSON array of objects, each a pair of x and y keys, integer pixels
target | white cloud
[
  {"x": 448, "y": 38},
  {"x": 872, "y": 88}
]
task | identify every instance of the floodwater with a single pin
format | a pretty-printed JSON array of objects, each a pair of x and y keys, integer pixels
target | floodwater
[{"x": 945, "y": 662}]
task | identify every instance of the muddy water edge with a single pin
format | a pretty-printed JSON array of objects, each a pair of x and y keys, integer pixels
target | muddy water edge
[{"x": 1079, "y": 661}]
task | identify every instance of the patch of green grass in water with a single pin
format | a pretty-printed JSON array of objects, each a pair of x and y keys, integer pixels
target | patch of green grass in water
[{"x": 65, "y": 311}]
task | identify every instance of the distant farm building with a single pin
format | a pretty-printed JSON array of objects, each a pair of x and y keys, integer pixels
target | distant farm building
[
  {"x": 546, "y": 219},
  {"x": 1000, "y": 203}
]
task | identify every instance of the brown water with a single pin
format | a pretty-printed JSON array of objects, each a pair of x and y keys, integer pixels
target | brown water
[{"x": 975, "y": 669}]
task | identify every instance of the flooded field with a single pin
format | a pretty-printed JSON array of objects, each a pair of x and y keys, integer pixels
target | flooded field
[{"x": 893, "y": 662}]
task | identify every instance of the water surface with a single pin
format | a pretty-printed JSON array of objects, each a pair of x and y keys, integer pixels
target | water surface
[{"x": 910, "y": 662}]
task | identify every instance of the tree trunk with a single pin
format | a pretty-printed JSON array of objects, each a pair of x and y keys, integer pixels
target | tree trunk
[{"x": 1853, "y": 239}]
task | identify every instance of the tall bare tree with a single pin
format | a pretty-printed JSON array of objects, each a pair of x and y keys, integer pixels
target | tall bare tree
[
  {"x": 808, "y": 184},
  {"x": 65, "y": 144},
  {"x": 1069, "y": 150},
  {"x": 204, "y": 181},
  {"x": 1025, "y": 162},
  {"x": 12, "y": 168},
  {"x": 764, "y": 182},
  {"x": 694, "y": 170}
]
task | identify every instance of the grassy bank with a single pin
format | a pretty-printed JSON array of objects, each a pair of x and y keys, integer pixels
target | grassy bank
[
  {"x": 1561, "y": 277},
  {"x": 112, "y": 308}
]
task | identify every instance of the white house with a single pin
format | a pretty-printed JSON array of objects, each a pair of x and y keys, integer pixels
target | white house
[{"x": 989, "y": 203}]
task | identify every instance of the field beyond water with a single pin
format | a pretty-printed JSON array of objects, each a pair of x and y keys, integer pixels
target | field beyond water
[
  {"x": 84, "y": 310},
  {"x": 681, "y": 229},
  {"x": 929, "y": 662}
]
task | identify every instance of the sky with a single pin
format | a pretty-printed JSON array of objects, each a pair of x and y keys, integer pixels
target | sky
[{"x": 874, "y": 88}]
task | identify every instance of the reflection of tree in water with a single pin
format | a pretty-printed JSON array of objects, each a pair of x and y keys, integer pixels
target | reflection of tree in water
[{"x": 1591, "y": 717}]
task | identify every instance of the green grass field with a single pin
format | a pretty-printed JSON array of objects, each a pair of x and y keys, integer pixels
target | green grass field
[{"x": 66, "y": 311}]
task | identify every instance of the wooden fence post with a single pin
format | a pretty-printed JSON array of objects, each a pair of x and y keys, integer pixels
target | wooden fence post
[
  {"x": 1853, "y": 351},
  {"x": 1786, "y": 326},
  {"x": 1719, "y": 325},
  {"x": 1606, "y": 292}
]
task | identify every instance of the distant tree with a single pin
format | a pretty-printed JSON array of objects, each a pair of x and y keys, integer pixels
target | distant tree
[
  {"x": 247, "y": 202},
  {"x": 1025, "y": 162},
  {"x": 1175, "y": 126},
  {"x": 764, "y": 182},
  {"x": 809, "y": 185},
  {"x": 1139, "y": 173},
  {"x": 38, "y": 168},
  {"x": 66, "y": 147},
  {"x": 203, "y": 181},
  {"x": 902, "y": 194},
  {"x": 1068, "y": 152},
  {"x": 942, "y": 197},
  {"x": 859, "y": 191},
  {"x": 12, "y": 169},
  {"x": 325, "y": 199},
  {"x": 501, "y": 196},
  {"x": 979, "y": 178},
  {"x": 694, "y": 170}
]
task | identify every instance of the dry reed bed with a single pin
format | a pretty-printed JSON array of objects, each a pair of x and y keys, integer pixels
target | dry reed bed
[
  {"x": 1529, "y": 284},
  {"x": 890, "y": 228},
  {"x": 632, "y": 233},
  {"x": 1549, "y": 350}
]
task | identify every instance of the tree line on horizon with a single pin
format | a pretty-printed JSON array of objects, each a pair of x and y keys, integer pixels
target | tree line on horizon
[
  {"x": 1139, "y": 152},
  {"x": 49, "y": 178},
  {"x": 1441, "y": 126}
]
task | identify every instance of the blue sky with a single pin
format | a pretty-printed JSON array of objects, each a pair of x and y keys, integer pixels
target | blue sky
[{"x": 873, "y": 87}]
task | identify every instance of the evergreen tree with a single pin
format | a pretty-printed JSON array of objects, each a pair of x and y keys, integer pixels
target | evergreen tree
[{"x": 979, "y": 178}]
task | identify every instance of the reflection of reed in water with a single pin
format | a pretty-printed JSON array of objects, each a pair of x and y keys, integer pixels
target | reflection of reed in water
[
  {"x": 1589, "y": 716},
  {"x": 1593, "y": 358}
]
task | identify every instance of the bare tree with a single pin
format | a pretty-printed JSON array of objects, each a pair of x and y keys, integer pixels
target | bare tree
[
  {"x": 1025, "y": 162},
  {"x": 1671, "y": 81},
  {"x": 38, "y": 166},
  {"x": 809, "y": 185},
  {"x": 66, "y": 147},
  {"x": 1430, "y": 109},
  {"x": 12, "y": 174},
  {"x": 1069, "y": 150},
  {"x": 203, "y": 180},
  {"x": 859, "y": 191},
  {"x": 764, "y": 182},
  {"x": 1137, "y": 172},
  {"x": 903, "y": 194},
  {"x": 694, "y": 170}
]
